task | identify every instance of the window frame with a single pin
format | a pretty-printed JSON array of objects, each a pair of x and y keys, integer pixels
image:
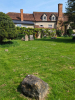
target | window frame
[
  {"x": 53, "y": 18},
  {"x": 44, "y": 17},
  {"x": 41, "y": 25},
  {"x": 50, "y": 26}
]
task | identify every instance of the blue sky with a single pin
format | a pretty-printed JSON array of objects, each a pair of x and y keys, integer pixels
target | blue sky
[{"x": 30, "y": 6}]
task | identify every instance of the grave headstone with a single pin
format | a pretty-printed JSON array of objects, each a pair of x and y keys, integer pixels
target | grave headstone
[
  {"x": 31, "y": 37},
  {"x": 26, "y": 37},
  {"x": 39, "y": 35}
]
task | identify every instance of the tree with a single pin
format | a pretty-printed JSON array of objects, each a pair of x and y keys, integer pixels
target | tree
[
  {"x": 70, "y": 12},
  {"x": 7, "y": 27}
]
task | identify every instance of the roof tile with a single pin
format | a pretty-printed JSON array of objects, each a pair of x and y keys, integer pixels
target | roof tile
[{"x": 36, "y": 16}]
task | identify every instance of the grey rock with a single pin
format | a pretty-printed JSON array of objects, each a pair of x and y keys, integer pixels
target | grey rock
[
  {"x": 34, "y": 87},
  {"x": 53, "y": 38}
]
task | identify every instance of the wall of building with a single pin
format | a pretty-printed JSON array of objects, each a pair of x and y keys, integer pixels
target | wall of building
[
  {"x": 24, "y": 25},
  {"x": 45, "y": 24}
]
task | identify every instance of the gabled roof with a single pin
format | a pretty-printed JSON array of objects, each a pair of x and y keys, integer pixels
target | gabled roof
[
  {"x": 14, "y": 16},
  {"x": 36, "y": 16},
  {"x": 28, "y": 17},
  {"x": 17, "y": 16}
]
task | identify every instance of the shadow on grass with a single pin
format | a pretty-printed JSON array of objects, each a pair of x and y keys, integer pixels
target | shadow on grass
[
  {"x": 64, "y": 40},
  {"x": 19, "y": 88},
  {"x": 8, "y": 43}
]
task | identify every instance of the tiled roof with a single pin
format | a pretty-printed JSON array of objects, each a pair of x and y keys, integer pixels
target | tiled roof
[
  {"x": 14, "y": 16},
  {"x": 17, "y": 16},
  {"x": 36, "y": 16},
  {"x": 65, "y": 17},
  {"x": 28, "y": 17}
]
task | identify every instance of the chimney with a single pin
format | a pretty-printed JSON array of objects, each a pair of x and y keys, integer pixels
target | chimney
[
  {"x": 21, "y": 11},
  {"x": 60, "y": 13}
]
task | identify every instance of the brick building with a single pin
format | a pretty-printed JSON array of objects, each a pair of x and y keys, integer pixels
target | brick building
[{"x": 40, "y": 19}]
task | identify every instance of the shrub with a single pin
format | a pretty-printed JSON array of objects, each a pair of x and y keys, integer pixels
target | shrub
[
  {"x": 20, "y": 36},
  {"x": 73, "y": 38},
  {"x": 7, "y": 27},
  {"x": 65, "y": 35},
  {"x": 58, "y": 32},
  {"x": 69, "y": 32}
]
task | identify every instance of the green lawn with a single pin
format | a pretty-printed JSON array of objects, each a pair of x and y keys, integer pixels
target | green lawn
[{"x": 51, "y": 60}]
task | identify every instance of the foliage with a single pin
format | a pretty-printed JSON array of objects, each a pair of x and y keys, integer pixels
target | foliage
[
  {"x": 52, "y": 32},
  {"x": 70, "y": 12},
  {"x": 20, "y": 36},
  {"x": 65, "y": 36},
  {"x": 69, "y": 32},
  {"x": 48, "y": 32},
  {"x": 33, "y": 31},
  {"x": 73, "y": 38},
  {"x": 58, "y": 32},
  {"x": 7, "y": 27}
]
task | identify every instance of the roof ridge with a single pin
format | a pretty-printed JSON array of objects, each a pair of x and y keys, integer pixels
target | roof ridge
[
  {"x": 13, "y": 12},
  {"x": 45, "y": 12}
]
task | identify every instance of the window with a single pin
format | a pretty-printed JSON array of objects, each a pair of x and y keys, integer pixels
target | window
[
  {"x": 19, "y": 25},
  {"x": 53, "y": 18},
  {"x": 50, "y": 26},
  {"x": 41, "y": 25},
  {"x": 44, "y": 17}
]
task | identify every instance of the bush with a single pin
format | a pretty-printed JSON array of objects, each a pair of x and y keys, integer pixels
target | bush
[
  {"x": 73, "y": 38},
  {"x": 58, "y": 32},
  {"x": 7, "y": 27},
  {"x": 65, "y": 36},
  {"x": 69, "y": 32},
  {"x": 20, "y": 36}
]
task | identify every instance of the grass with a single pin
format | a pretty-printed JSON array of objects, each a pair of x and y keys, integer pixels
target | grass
[{"x": 51, "y": 60}]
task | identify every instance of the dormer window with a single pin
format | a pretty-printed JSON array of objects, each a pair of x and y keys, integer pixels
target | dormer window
[
  {"x": 53, "y": 18},
  {"x": 44, "y": 17}
]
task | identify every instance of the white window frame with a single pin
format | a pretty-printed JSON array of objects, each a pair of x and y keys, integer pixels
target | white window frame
[
  {"x": 53, "y": 18},
  {"x": 44, "y": 15},
  {"x": 50, "y": 26}
]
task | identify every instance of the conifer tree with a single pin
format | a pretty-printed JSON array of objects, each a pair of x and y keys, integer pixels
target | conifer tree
[{"x": 70, "y": 12}]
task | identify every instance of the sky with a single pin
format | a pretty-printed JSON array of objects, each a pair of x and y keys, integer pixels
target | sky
[{"x": 30, "y": 6}]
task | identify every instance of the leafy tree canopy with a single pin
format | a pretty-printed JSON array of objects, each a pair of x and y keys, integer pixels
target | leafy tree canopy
[
  {"x": 70, "y": 11},
  {"x": 7, "y": 27}
]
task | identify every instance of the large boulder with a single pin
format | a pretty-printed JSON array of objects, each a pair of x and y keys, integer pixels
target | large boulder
[{"x": 34, "y": 87}]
